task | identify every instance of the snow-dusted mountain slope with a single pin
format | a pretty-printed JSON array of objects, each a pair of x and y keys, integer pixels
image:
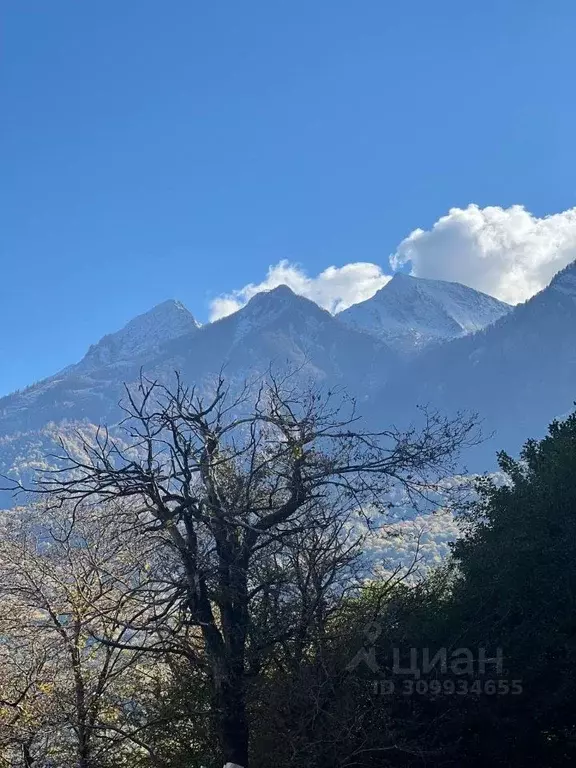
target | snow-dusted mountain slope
[
  {"x": 142, "y": 336},
  {"x": 411, "y": 313},
  {"x": 518, "y": 374},
  {"x": 286, "y": 331}
]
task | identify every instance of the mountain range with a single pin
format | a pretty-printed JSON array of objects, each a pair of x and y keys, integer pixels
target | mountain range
[{"x": 416, "y": 341}]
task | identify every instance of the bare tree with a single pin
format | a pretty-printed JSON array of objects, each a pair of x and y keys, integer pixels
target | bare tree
[
  {"x": 65, "y": 676},
  {"x": 231, "y": 484}
]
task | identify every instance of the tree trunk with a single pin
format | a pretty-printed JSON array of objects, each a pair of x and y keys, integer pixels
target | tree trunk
[
  {"x": 231, "y": 720},
  {"x": 27, "y": 755}
]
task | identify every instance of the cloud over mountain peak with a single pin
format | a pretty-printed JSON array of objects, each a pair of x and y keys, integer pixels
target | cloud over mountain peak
[{"x": 508, "y": 253}]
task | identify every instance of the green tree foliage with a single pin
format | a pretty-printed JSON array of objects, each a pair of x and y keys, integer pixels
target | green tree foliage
[{"x": 518, "y": 588}]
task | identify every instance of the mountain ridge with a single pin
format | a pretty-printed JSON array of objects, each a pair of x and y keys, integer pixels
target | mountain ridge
[{"x": 274, "y": 326}]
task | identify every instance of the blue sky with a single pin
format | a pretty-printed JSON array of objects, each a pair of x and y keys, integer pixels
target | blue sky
[{"x": 154, "y": 150}]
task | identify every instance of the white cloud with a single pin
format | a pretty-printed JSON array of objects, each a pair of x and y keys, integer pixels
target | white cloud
[
  {"x": 223, "y": 306},
  {"x": 335, "y": 289},
  {"x": 506, "y": 252}
]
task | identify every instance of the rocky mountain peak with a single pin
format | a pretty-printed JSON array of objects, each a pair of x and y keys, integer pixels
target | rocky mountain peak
[
  {"x": 142, "y": 335},
  {"x": 410, "y": 313}
]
